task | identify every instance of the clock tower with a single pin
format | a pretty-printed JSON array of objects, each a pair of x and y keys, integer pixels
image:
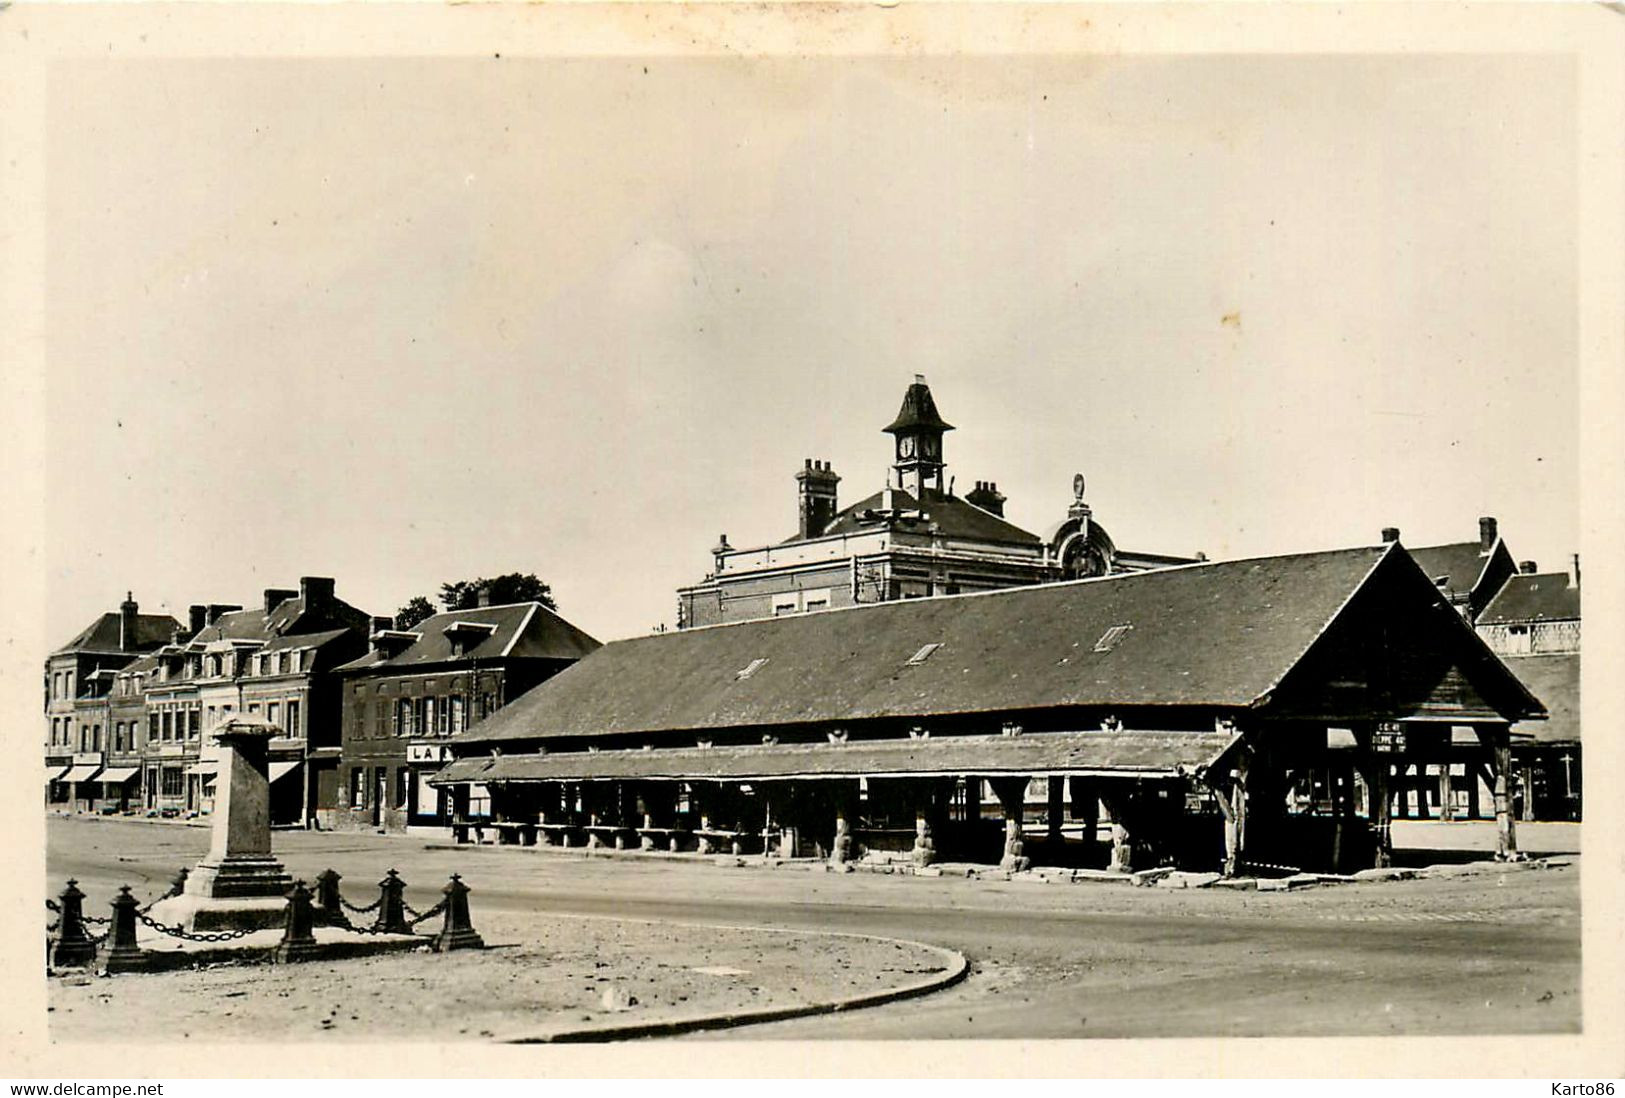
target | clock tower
[{"x": 918, "y": 431}]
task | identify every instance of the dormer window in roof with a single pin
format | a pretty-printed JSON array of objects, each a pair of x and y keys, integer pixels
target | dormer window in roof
[
  {"x": 1112, "y": 637},
  {"x": 750, "y": 669},
  {"x": 923, "y": 654},
  {"x": 465, "y": 636}
]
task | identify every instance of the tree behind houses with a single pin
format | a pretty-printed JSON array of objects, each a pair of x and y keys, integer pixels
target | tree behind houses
[{"x": 465, "y": 595}]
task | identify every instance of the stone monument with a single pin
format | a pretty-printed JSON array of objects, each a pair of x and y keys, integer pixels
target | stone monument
[{"x": 238, "y": 885}]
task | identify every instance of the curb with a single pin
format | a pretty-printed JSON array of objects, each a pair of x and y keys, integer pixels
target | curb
[{"x": 958, "y": 967}]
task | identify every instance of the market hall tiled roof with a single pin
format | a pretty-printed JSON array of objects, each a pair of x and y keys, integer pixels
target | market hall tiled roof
[
  {"x": 1220, "y": 634},
  {"x": 1147, "y": 754},
  {"x": 1546, "y": 596}
]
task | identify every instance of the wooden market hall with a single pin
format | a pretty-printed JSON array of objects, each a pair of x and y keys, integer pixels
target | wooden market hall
[{"x": 1219, "y": 716}]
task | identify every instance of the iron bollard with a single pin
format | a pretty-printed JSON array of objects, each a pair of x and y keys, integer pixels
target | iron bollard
[
  {"x": 392, "y": 905},
  {"x": 457, "y": 932},
  {"x": 73, "y": 945},
  {"x": 125, "y": 955},
  {"x": 298, "y": 939},
  {"x": 178, "y": 885},
  {"x": 327, "y": 895}
]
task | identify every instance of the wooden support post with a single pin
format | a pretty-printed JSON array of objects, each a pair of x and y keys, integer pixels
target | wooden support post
[
  {"x": 1506, "y": 828},
  {"x": 1117, "y": 804},
  {"x": 1472, "y": 792},
  {"x": 1086, "y": 810},
  {"x": 1527, "y": 782},
  {"x": 1447, "y": 793},
  {"x": 1380, "y": 809},
  {"x": 1012, "y": 794},
  {"x": 1055, "y": 809}
]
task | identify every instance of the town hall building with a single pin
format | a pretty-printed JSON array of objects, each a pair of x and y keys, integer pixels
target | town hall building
[{"x": 912, "y": 539}]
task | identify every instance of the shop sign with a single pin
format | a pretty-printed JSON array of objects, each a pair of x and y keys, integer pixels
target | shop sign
[
  {"x": 427, "y": 753},
  {"x": 1388, "y": 738},
  {"x": 87, "y": 758}
]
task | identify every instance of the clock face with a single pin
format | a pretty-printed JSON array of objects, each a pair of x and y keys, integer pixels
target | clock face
[{"x": 905, "y": 446}]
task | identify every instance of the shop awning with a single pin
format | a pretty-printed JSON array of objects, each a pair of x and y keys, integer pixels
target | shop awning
[
  {"x": 281, "y": 768},
  {"x": 204, "y": 766},
  {"x": 56, "y": 773},
  {"x": 118, "y": 775},
  {"x": 1099, "y": 754},
  {"x": 82, "y": 773}
]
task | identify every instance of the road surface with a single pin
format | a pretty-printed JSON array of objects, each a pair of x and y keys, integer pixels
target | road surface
[{"x": 1492, "y": 951}]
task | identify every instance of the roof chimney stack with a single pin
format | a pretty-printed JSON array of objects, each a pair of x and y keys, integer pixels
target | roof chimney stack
[
  {"x": 217, "y": 610},
  {"x": 482, "y": 595},
  {"x": 1486, "y": 534},
  {"x": 987, "y": 496},
  {"x": 1390, "y": 534},
  {"x": 276, "y": 596},
  {"x": 317, "y": 594},
  {"x": 196, "y": 618},
  {"x": 816, "y": 497},
  {"x": 128, "y": 612},
  {"x": 1574, "y": 575},
  {"x": 1526, "y": 567}
]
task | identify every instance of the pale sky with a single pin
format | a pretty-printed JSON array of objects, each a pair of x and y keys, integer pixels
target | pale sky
[{"x": 406, "y": 321}]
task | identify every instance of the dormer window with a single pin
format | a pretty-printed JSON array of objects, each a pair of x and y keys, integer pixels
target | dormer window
[{"x": 465, "y": 636}]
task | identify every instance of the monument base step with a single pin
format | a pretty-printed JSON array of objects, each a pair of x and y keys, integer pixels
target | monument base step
[
  {"x": 239, "y": 878},
  {"x": 205, "y": 914}
]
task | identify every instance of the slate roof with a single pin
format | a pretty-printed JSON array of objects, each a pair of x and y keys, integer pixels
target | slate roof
[
  {"x": 1219, "y": 634},
  {"x": 303, "y": 640},
  {"x": 953, "y": 516},
  {"x": 151, "y": 631},
  {"x": 1545, "y": 596},
  {"x": 1462, "y": 563},
  {"x": 145, "y": 665},
  {"x": 1555, "y": 680},
  {"x": 524, "y": 630},
  {"x": 248, "y": 625},
  {"x": 1143, "y": 753}
]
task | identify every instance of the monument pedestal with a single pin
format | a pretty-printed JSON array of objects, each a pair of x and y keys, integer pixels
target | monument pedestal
[{"x": 238, "y": 885}]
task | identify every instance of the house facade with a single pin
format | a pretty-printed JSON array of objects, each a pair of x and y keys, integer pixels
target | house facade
[
  {"x": 913, "y": 539},
  {"x": 417, "y": 688},
  {"x": 78, "y": 687},
  {"x": 274, "y": 660}
]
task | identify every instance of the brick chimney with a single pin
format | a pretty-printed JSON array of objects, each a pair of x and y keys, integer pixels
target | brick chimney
[
  {"x": 1526, "y": 567},
  {"x": 1390, "y": 534},
  {"x": 1486, "y": 534},
  {"x": 317, "y": 594},
  {"x": 987, "y": 496},
  {"x": 276, "y": 596},
  {"x": 128, "y": 613},
  {"x": 196, "y": 618},
  {"x": 482, "y": 595},
  {"x": 1574, "y": 574},
  {"x": 217, "y": 610},
  {"x": 815, "y": 485}
]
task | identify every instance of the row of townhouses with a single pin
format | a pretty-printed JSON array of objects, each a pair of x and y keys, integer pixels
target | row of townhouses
[{"x": 369, "y": 714}]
